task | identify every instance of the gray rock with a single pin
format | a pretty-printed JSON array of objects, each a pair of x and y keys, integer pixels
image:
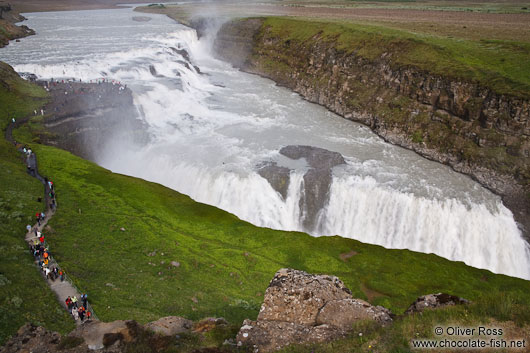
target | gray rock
[
  {"x": 170, "y": 325},
  {"x": 301, "y": 308},
  {"x": 343, "y": 313},
  {"x": 278, "y": 177},
  {"x": 317, "y": 180},
  {"x": 433, "y": 301},
  {"x": 297, "y": 296}
]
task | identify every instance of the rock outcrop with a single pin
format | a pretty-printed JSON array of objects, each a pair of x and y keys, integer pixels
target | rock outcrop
[
  {"x": 433, "y": 301},
  {"x": 317, "y": 178},
  {"x": 170, "y": 325},
  {"x": 84, "y": 117},
  {"x": 464, "y": 124},
  {"x": 304, "y": 308}
]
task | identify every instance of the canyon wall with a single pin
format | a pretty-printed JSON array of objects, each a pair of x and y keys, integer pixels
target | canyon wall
[{"x": 462, "y": 123}]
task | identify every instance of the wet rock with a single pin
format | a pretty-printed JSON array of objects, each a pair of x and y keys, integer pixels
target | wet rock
[
  {"x": 433, "y": 301},
  {"x": 317, "y": 158},
  {"x": 182, "y": 52},
  {"x": 153, "y": 71},
  {"x": 278, "y": 177},
  {"x": 305, "y": 308},
  {"x": 317, "y": 179},
  {"x": 170, "y": 325},
  {"x": 86, "y": 118}
]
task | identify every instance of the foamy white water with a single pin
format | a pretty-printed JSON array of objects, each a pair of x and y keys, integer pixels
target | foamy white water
[{"x": 211, "y": 130}]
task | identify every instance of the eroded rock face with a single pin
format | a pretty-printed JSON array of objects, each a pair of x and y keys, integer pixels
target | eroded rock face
[
  {"x": 433, "y": 301},
  {"x": 85, "y": 117},
  {"x": 317, "y": 179},
  {"x": 305, "y": 308},
  {"x": 170, "y": 325}
]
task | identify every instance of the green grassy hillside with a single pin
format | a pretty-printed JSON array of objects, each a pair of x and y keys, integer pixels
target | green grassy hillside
[
  {"x": 24, "y": 296},
  {"x": 225, "y": 263}
]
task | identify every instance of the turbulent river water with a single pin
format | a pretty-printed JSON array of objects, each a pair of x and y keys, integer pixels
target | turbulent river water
[{"x": 210, "y": 131}]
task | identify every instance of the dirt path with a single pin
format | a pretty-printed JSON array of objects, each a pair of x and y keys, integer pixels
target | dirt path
[{"x": 65, "y": 288}]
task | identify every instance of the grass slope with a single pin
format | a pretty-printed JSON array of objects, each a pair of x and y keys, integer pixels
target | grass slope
[
  {"x": 225, "y": 263},
  {"x": 24, "y": 296},
  {"x": 499, "y": 65}
]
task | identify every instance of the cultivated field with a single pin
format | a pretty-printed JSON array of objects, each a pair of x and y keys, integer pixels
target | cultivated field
[{"x": 450, "y": 21}]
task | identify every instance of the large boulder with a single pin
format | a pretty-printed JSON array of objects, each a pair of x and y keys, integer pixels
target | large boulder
[
  {"x": 170, "y": 325},
  {"x": 297, "y": 296},
  {"x": 433, "y": 301},
  {"x": 305, "y": 308}
]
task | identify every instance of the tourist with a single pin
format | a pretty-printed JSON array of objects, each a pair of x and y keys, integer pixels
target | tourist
[
  {"x": 81, "y": 313},
  {"x": 88, "y": 315},
  {"x": 13, "y": 120},
  {"x": 74, "y": 301},
  {"x": 61, "y": 275},
  {"x": 68, "y": 302},
  {"x": 84, "y": 299},
  {"x": 28, "y": 227}
]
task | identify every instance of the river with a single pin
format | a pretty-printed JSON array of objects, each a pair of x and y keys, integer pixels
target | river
[{"x": 211, "y": 129}]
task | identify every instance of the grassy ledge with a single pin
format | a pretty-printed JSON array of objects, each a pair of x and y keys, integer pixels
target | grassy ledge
[{"x": 494, "y": 64}]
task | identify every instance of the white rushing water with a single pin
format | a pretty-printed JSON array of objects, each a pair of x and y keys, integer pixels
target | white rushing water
[{"x": 211, "y": 130}]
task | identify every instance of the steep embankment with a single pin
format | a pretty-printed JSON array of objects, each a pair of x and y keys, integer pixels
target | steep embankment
[
  {"x": 24, "y": 295},
  {"x": 462, "y": 103}
]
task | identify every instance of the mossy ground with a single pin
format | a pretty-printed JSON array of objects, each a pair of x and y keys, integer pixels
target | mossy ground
[{"x": 24, "y": 296}]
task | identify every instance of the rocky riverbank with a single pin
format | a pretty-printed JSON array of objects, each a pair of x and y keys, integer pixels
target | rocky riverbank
[
  {"x": 8, "y": 29},
  {"x": 454, "y": 121}
]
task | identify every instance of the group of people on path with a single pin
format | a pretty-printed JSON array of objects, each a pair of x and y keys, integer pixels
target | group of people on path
[
  {"x": 41, "y": 253},
  {"x": 79, "y": 312}
]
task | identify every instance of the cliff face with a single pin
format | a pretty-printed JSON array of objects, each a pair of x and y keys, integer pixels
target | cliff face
[
  {"x": 84, "y": 117},
  {"x": 457, "y": 122}
]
